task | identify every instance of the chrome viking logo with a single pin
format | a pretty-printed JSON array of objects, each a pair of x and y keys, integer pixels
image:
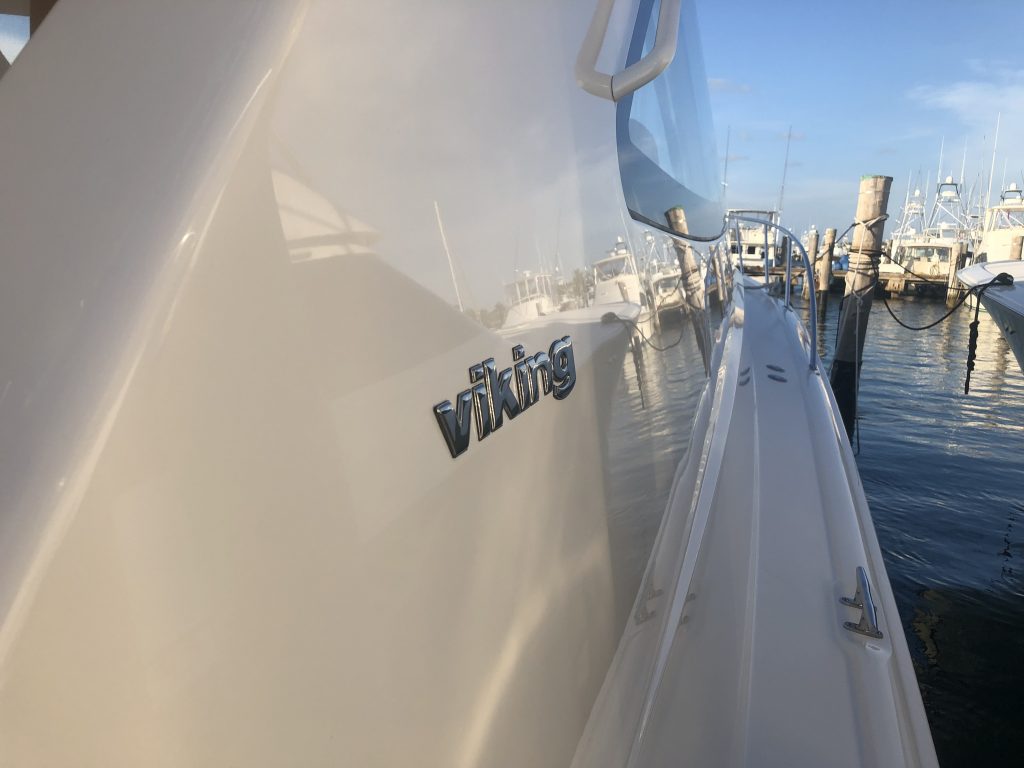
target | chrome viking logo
[{"x": 492, "y": 395}]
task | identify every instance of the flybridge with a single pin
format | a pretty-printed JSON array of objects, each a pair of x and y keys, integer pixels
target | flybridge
[{"x": 494, "y": 395}]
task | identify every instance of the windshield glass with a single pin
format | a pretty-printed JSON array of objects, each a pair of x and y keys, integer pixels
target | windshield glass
[
  {"x": 610, "y": 268},
  {"x": 1007, "y": 220},
  {"x": 929, "y": 252},
  {"x": 667, "y": 155}
]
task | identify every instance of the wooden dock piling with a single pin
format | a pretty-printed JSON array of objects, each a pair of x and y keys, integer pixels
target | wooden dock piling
[
  {"x": 1015, "y": 247},
  {"x": 872, "y": 202},
  {"x": 823, "y": 269},
  {"x": 812, "y": 254},
  {"x": 956, "y": 261},
  {"x": 693, "y": 285}
]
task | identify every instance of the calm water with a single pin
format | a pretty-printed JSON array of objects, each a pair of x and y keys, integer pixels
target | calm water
[{"x": 944, "y": 478}]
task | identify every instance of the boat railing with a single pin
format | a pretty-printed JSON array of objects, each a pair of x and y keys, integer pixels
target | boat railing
[{"x": 732, "y": 220}]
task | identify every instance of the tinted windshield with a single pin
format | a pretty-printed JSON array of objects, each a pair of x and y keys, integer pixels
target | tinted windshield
[{"x": 612, "y": 268}]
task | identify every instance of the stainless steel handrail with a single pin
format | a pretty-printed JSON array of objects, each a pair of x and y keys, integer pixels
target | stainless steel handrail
[
  {"x": 789, "y": 271},
  {"x": 765, "y": 253},
  {"x": 614, "y": 87},
  {"x": 808, "y": 274}
]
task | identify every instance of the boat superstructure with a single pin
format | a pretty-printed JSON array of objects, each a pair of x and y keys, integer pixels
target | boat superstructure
[
  {"x": 754, "y": 246},
  {"x": 617, "y": 280},
  {"x": 666, "y": 287},
  {"x": 925, "y": 253},
  {"x": 245, "y": 522},
  {"x": 530, "y": 296},
  {"x": 1003, "y": 223}
]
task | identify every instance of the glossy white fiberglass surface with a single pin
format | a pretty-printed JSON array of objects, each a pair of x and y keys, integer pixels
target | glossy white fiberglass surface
[
  {"x": 232, "y": 532},
  {"x": 1004, "y": 302},
  {"x": 735, "y": 653}
]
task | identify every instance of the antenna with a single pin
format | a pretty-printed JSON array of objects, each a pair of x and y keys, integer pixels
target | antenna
[
  {"x": 448, "y": 253},
  {"x": 938, "y": 174},
  {"x": 725, "y": 171},
  {"x": 625, "y": 231},
  {"x": 963, "y": 163},
  {"x": 785, "y": 167},
  {"x": 992, "y": 172}
]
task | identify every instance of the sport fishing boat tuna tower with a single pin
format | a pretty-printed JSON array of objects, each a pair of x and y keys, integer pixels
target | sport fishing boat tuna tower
[
  {"x": 245, "y": 522},
  {"x": 925, "y": 253}
]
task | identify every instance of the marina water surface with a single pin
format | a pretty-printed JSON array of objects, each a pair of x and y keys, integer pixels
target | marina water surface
[{"x": 943, "y": 475}]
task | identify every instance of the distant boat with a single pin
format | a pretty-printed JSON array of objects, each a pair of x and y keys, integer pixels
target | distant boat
[
  {"x": 1003, "y": 222},
  {"x": 617, "y": 280},
  {"x": 753, "y": 242},
  {"x": 531, "y": 296},
  {"x": 1005, "y": 303},
  {"x": 925, "y": 253},
  {"x": 666, "y": 287}
]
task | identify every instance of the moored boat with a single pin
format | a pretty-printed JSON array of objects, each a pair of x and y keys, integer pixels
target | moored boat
[
  {"x": 617, "y": 280},
  {"x": 1005, "y": 303},
  {"x": 274, "y": 494},
  {"x": 1004, "y": 223}
]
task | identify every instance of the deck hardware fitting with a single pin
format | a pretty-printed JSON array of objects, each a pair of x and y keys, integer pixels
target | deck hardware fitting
[{"x": 868, "y": 624}]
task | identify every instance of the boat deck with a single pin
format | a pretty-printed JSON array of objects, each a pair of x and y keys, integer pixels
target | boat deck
[{"x": 739, "y": 631}]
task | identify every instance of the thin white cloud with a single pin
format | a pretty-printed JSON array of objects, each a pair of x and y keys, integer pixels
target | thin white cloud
[
  {"x": 994, "y": 90},
  {"x": 975, "y": 103},
  {"x": 723, "y": 85}
]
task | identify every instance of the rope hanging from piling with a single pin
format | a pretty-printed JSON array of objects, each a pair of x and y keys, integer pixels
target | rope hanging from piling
[{"x": 1002, "y": 278}]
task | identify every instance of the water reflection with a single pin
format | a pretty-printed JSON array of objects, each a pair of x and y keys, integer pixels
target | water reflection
[{"x": 646, "y": 445}]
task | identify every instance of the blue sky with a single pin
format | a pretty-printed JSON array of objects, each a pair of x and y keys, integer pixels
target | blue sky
[
  {"x": 13, "y": 34},
  {"x": 871, "y": 88}
]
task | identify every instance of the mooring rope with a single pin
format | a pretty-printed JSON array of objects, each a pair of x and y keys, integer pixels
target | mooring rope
[{"x": 1003, "y": 278}]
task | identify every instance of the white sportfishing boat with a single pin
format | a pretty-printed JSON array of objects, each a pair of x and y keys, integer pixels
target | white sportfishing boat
[
  {"x": 666, "y": 287},
  {"x": 1003, "y": 223},
  {"x": 750, "y": 242},
  {"x": 617, "y": 280},
  {"x": 529, "y": 297},
  {"x": 1005, "y": 303},
  {"x": 925, "y": 253},
  {"x": 245, "y": 522}
]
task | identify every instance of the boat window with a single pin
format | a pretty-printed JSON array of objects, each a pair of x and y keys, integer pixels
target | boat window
[
  {"x": 610, "y": 268},
  {"x": 1007, "y": 220},
  {"x": 667, "y": 157}
]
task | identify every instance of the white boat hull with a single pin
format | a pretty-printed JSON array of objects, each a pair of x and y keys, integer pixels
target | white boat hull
[{"x": 1004, "y": 303}]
